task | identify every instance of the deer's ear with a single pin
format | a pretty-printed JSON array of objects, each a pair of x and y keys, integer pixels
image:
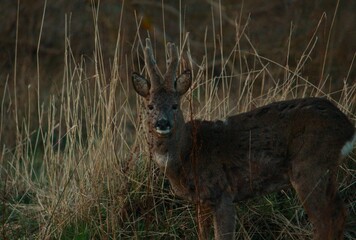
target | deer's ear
[
  {"x": 183, "y": 82},
  {"x": 141, "y": 85}
]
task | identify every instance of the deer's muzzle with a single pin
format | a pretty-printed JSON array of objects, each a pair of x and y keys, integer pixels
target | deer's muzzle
[{"x": 163, "y": 126}]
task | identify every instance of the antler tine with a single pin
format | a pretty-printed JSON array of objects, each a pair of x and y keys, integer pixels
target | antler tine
[
  {"x": 151, "y": 64},
  {"x": 172, "y": 64}
]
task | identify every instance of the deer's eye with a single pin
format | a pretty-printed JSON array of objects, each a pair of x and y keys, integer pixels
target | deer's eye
[
  {"x": 175, "y": 106},
  {"x": 150, "y": 107}
]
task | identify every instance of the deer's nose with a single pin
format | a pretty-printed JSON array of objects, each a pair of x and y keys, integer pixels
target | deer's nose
[{"x": 163, "y": 126}]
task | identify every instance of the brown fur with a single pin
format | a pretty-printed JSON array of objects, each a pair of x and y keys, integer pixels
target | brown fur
[{"x": 215, "y": 164}]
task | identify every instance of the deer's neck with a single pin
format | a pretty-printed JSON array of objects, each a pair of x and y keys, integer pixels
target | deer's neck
[
  {"x": 170, "y": 155},
  {"x": 169, "y": 152}
]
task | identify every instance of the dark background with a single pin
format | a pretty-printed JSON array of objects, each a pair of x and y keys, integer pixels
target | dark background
[{"x": 269, "y": 25}]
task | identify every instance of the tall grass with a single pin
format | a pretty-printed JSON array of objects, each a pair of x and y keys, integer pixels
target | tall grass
[{"x": 86, "y": 172}]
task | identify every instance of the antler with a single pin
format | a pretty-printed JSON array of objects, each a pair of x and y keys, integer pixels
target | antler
[
  {"x": 151, "y": 65},
  {"x": 153, "y": 70},
  {"x": 172, "y": 65}
]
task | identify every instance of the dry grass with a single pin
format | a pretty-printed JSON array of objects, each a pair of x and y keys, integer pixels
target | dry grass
[{"x": 86, "y": 171}]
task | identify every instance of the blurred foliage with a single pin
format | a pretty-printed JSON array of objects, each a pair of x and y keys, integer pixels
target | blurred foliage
[{"x": 268, "y": 25}]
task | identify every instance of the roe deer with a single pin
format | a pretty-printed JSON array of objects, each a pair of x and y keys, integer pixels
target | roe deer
[{"x": 214, "y": 164}]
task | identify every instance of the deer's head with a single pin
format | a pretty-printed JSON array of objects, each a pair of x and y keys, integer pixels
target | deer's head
[{"x": 162, "y": 93}]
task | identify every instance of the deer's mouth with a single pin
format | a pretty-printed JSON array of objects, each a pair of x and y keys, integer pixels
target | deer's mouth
[
  {"x": 164, "y": 132},
  {"x": 163, "y": 127}
]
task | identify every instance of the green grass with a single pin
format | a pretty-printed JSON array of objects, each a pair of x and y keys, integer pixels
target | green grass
[{"x": 86, "y": 171}]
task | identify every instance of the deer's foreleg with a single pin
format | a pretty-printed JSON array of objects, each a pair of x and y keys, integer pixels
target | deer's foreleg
[
  {"x": 224, "y": 219},
  {"x": 204, "y": 221}
]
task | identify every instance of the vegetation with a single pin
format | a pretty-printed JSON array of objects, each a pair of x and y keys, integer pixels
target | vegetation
[{"x": 75, "y": 164}]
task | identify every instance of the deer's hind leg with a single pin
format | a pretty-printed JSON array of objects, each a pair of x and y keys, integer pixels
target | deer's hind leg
[{"x": 316, "y": 187}]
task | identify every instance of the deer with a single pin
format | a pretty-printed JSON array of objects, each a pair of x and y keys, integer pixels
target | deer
[{"x": 296, "y": 143}]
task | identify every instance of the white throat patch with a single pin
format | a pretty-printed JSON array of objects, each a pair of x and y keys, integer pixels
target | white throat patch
[
  {"x": 347, "y": 148},
  {"x": 162, "y": 159}
]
